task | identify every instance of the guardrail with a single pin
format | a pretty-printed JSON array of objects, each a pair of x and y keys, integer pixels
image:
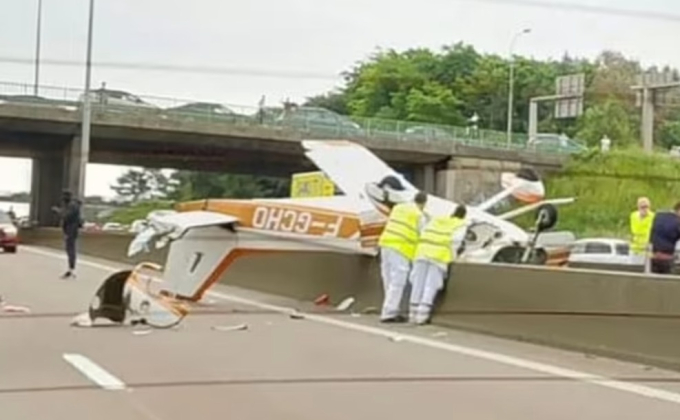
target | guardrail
[{"x": 310, "y": 122}]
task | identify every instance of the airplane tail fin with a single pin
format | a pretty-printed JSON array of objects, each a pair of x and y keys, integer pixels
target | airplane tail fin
[
  {"x": 351, "y": 166},
  {"x": 526, "y": 186}
]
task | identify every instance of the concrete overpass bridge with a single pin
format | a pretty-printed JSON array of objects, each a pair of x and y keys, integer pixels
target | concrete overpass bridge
[{"x": 48, "y": 131}]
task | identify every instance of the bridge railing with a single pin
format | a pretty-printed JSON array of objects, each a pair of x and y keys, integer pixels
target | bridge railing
[{"x": 315, "y": 124}]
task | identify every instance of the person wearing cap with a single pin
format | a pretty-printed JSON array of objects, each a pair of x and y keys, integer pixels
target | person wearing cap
[
  {"x": 397, "y": 244},
  {"x": 440, "y": 242},
  {"x": 640, "y": 230},
  {"x": 71, "y": 222}
]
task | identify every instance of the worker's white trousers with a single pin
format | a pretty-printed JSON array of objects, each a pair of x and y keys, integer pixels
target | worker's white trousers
[
  {"x": 427, "y": 279},
  {"x": 394, "y": 269}
]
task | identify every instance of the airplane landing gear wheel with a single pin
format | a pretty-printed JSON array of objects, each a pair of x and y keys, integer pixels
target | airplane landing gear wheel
[{"x": 546, "y": 217}]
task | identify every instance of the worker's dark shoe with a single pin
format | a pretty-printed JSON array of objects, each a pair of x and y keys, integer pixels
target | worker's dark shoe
[
  {"x": 68, "y": 275},
  {"x": 395, "y": 320}
]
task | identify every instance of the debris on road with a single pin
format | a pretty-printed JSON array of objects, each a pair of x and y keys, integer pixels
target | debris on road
[
  {"x": 322, "y": 300},
  {"x": 240, "y": 327},
  {"x": 371, "y": 310},
  {"x": 346, "y": 304},
  {"x": 12, "y": 308},
  {"x": 296, "y": 315},
  {"x": 82, "y": 320},
  {"x": 396, "y": 338},
  {"x": 355, "y": 315},
  {"x": 440, "y": 334},
  {"x": 145, "y": 331},
  {"x": 15, "y": 309}
]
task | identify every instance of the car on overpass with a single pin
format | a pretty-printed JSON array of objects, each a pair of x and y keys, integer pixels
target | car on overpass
[
  {"x": 555, "y": 142},
  {"x": 206, "y": 111},
  {"x": 9, "y": 234},
  {"x": 320, "y": 122},
  {"x": 117, "y": 100}
]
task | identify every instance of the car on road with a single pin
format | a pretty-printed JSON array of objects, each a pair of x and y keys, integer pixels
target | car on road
[
  {"x": 9, "y": 234},
  {"x": 556, "y": 142},
  {"x": 206, "y": 111},
  {"x": 601, "y": 251}
]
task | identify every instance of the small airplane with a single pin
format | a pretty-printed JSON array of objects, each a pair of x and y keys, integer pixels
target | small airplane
[{"x": 207, "y": 236}]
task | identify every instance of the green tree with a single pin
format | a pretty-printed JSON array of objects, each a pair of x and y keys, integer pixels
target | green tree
[
  {"x": 138, "y": 184},
  {"x": 189, "y": 185},
  {"x": 609, "y": 119}
]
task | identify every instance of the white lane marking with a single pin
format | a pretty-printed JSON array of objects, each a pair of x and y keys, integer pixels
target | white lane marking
[
  {"x": 94, "y": 372},
  {"x": 632, "y": 388}
]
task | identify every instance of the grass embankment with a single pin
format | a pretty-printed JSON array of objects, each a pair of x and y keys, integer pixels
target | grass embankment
[
  {"x": 127, "y": 215},
  {"x": 606, "y": 187}
]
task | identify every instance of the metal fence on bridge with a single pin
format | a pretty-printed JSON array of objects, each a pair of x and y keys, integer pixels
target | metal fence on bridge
[{"x": 315, "y": 123}]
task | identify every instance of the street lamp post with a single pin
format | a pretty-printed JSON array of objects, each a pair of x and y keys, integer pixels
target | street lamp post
[
  {"x": 84, "y": 149},
  {"x": 38, "y": 39},
  {"x": 511, "y": 82}
]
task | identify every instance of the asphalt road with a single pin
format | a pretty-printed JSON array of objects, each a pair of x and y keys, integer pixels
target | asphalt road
[{"x": 324, "y": 366}]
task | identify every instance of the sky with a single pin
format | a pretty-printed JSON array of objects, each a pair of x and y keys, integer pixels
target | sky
[{"x": 300, "y": 37}]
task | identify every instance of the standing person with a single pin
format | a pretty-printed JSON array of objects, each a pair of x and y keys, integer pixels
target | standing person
[
  {"x": 640, "y": 230},
  {"x": 397, "y": 247},
  {"x": 437, "y": 248},
  {"x": 664, "y": 238},
  {"x": 71, "y": 222}
]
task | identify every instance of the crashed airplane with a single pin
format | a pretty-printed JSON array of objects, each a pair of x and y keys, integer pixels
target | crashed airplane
[{"x": 207, "y": 236}]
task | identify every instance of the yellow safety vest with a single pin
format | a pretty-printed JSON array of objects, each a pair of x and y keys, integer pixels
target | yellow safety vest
[
  {"x": 401, "y": 231},
  {"x": 435, "y": 241},
  {"x": 640, "y": 230}
]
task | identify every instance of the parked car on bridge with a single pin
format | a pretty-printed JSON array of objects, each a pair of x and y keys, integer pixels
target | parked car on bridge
[
  {"x": 117, "y": 99},
  {"x": 555, "y": 142},
  {"x": 206, "y": 111},
  {"x": 320, "y": 122},
  {"x": 9, "y": 234},
  {"x": 427, "y": 132}
]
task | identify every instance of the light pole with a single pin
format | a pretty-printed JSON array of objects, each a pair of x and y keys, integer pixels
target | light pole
[
  {"x": 511, "y": 82},
  {"x": 38, "y": 38},
  {"x": 84, "y": 148}
]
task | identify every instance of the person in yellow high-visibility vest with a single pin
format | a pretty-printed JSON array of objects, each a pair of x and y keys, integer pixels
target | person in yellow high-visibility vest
[
  {"x": 438, "y": 246},
  {"x": 640, "y": 228},
  {"x": 397, "y": 244}
]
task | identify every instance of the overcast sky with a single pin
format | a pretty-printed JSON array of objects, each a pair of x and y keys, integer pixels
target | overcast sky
[{"x": 293, "y": 36}]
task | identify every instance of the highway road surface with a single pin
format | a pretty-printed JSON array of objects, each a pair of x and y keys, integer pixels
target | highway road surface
[{"x": 322, "y": 367}]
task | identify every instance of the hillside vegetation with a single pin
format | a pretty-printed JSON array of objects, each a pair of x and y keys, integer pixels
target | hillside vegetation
[{"x": 607, "y": 186}]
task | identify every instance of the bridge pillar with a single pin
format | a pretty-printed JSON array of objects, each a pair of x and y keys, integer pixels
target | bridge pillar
[
  {"x": 425, "y": 178},
  {"x": 46, "y": 187},
  {"x": 471, "y": 181}
]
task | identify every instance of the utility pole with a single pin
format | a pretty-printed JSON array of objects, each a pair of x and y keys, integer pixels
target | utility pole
[
  {"x": 651, "y": 92},
  {"x": 511, "y": 82},
  {"x": 83, "y": 155},
  {"x": 38, "y": 39}
]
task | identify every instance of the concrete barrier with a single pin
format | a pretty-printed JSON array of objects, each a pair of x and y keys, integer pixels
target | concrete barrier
[{"x": 623, "y": 315}]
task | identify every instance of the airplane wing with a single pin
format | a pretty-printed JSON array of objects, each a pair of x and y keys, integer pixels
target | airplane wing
[{"x": 350, "y": 166}]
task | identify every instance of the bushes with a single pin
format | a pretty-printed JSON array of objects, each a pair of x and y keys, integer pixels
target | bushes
[
  {"x": 607, "y": 185},
  {"x": 127, "y": 215}
]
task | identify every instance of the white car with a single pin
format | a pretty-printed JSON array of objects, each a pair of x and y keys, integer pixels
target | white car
[{"x": 601, "y": 251}]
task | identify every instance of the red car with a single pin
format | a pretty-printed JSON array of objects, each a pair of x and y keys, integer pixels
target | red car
[{"x": 9, "y": 234}]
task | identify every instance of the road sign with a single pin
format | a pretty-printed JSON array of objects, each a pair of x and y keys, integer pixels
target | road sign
[
  {"x": 663, "y": 86},
  {"x": 311, "y": 184},
  {"x": 572, "y": 87}
]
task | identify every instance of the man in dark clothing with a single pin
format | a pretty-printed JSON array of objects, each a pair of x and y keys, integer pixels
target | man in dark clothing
[
  {"x": 664, "y": 237},
  {"x": 71, "y": 222}
]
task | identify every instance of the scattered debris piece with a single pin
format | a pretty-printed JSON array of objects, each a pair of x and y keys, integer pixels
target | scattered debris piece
[
  {"x": 440, "y": 334},
  {"x": 371, "y": 310},
  {"x": 142, "y": 332},
  {"x": 346, "y": 304},
  {"x": 355, "y": 315},
  {"x": 396, "y": 338},
  {"x": 15, "y": 309},
  {"x": 240, "y": 327},
  {"x": 322, "y": 300},
  {"x": 296, "y": 315},
  {"x": 82, "y": 320},
  {"x": 648, "y": 368}
]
